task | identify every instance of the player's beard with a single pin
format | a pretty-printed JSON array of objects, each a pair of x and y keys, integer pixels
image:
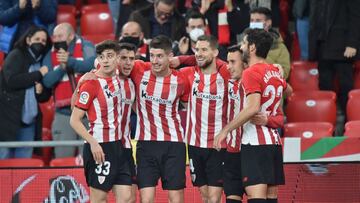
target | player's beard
[
  {"x": 245, "y": 56},
  {"x": 206, "y": 64}
]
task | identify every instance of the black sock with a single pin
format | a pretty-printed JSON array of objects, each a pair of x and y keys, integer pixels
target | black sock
[
  {"x": 271, "y": 200},
  {"x": 257, "y": 200},
  {"x": 233, "y": 201}
]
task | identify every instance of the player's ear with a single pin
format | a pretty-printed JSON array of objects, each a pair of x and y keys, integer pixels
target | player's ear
[
  {"x": 216, "y": 52},
  {"x": 252, "y": 48}
]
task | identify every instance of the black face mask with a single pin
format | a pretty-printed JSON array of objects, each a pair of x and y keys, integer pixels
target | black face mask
[
  {"x": 131, "y": 40},
  {"x": 61, "y": 45},
  {"x": 37, "y": 49}
]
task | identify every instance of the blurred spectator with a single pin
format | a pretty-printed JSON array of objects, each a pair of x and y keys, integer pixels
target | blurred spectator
[
  {"x": 273, "y": 5},
  {"x": 16, "y": 16},
  {"x": 278, "y": 54},
  {"x": 301, "y": 11},
  {"x": 195, "y": 27},
  {"x": 69, "y": 56},
  {"x": 161, "y": 18},
  {"x": 21, "y": 90},
  {"x": 334, "y": 39},
  {"x": 238, "y": 17},
  {"x": 114, "y": 7},
  {"x": 132, "y": 33}
]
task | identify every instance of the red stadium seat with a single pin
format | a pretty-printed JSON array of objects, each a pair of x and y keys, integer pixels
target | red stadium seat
[
  {"x": 23, "y": 162},
  {"x": 311, "y": 106},
  {"x": 94, "y": 1},
  {"x": 67, "y": 161},
  {"x": 309, "y": 129},
  {"x": 96, "y": 21},
  {"x": 48, "y": 111},
  {"x": 1, "y": 58},
  {"x": 352, "y": 129},
  {"x": 99, "y": 38},
  {"x": 66, "y": 13},
  {"x": 352, "y": 108},
  {"x": 295, "y": 47},
  {"x": 304, "y": 76}
]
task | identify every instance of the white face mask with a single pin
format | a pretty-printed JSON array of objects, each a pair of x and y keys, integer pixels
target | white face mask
[
  {"x": 256, "y": 25},
  {"x": 196, "y": 33}
]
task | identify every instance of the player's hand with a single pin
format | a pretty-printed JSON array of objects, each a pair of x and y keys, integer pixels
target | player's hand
[
  {"x": 281, "y": 69},
  {"x": 349, "y": 52},
  {"x": 97, "y": 152},
  {"x": 22, "y": 4},
  {"x": 87, "y": 76},
  {"x": 219, "y": 138},
  {"x": 259, "y": 119},
  {"x": 205, "y": 5},
  {"x": 174, "y": 62},
  {"x": 184, "y": 45}
]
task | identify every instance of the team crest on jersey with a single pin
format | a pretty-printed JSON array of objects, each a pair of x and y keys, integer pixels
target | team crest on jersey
[
  {"x": 220, "y": 83},
  {"x": 173, "y": 87},
  {"x": 84, "y": 97},
  {"x": 101, "y": 179}
]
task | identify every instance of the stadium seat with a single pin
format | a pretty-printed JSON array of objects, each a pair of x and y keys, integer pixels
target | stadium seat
[
  {"x": 99, "y": 38},
  {"x": 304, "y": 76},
  {"x": 94, "y": 1},
  {"x": 96, "y": 21},
  {"x": 47, "y": 111},
  {"x": 295, "y": 47},
  {"x": 1, "y": 58},
  {"x": 352, "y": 129},
  {"x": 309, "y": 129},
  {"x": 311, "y": 106},
  {"x": 66, "y": 13},
  {"x": 67, "y": 161},
  {"x": 21, "y": 162},
  {"x": 352, "y": 108}
]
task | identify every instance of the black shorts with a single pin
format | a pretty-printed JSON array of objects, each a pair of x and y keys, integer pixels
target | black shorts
[
  {"x": 262, "y": 164},
  {"x": 163, "y": 159},
  {"x": 232, "y": 174},
  {"x": 206, "y": 166},
  {"x": 129, "y": 157},
  {"x": 114, "y": 171}
]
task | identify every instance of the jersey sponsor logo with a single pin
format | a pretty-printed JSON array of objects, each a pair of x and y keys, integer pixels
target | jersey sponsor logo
[
  {"x": 126, "y": 101},
  {"x": 233, "y": 96},
  {"x": 84, "y": 97},
  {"x": 110, "y": 94},
  {"x": 206, "y": 96},
  {"x": 155, "y": 99}
]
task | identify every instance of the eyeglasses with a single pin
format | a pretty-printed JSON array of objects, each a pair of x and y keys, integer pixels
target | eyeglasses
[{"x": 164, "y": 14}]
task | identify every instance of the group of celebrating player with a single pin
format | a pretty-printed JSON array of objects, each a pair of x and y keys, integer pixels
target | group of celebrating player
[{"x": 233, "y": 112}]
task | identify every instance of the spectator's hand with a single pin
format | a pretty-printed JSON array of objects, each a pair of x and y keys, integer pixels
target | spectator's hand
[
  {"x": 184, "y": 45},
  {"x": 38, "y": 88},
  {"x": 43, "y": 70},
  {"x": 349, "y": 52},
  {"x": 259, "y": 119},
  {"x": 22, "y": 4},
  {"x": 97, "y": 152},
  {"x": 62, "y": 56},
  {"x": 229, "y": 5},
  {"x": 174, "y": 62},
  {"x": 35, "y": 3},
  {"x": 205, "y": 5}
]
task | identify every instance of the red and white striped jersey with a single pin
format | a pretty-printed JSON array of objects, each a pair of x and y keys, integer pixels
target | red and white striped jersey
[
  {"x": 267, "y": 80},
  {"x": 101, "y": 99},
  {"x": 208, "y": 103},
  {"x": 157, "y": 103},
  {"x": 127, "y": 100},
  {"x": 236, "y": 103}
]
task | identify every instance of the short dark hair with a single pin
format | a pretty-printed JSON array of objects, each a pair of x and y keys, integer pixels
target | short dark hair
[
  {"x": 127, "y": 46},
  {"x": 211, "y": 39},
  {"x": 194, "y": 14},
  {"x": 161, "y": 42},
  {"x": 262, "y": 10},
  {"x": 107, "y": 44},
  {"x": 234, "y": 48},
  {"x": 31, "y": 31},
  {"x": 261, "y": 39},
  {"x": 167, "y": 2}
]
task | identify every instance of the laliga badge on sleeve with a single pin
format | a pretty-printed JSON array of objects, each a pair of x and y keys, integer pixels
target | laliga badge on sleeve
[{"x": 84, "y": 97}]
